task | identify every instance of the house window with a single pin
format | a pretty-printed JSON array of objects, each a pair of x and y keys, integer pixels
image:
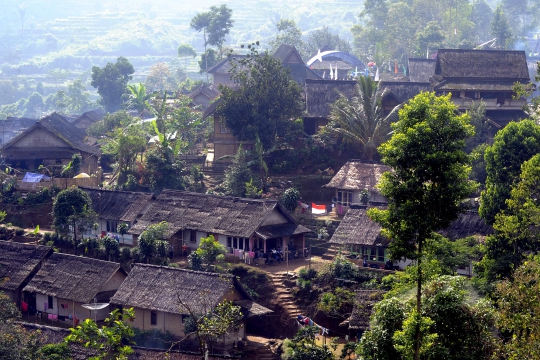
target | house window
[
  {"x": 373, "y": 254},
  {"x": 193, "y": 236},
  {"x": 229, "y": 241},
  {"x": 380, "y": 251},
  {"x": 345, "y": 198},
  {"x": 111, "y": 226},
  {"x": 50, "y": 302},
  {"x": 153, "y": 318},
  {"x": 223, "y": 128},
  {"x": 235, "y": 243}
]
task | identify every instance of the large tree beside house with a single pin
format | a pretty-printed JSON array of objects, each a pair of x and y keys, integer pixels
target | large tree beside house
[
  {"x": 428, "y": 180},
  {"x": 265, "y": 102}
]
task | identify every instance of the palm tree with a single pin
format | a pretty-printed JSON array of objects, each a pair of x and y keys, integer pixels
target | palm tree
[
  {"x": 362, "y": 120},
  {"x": 260, "y": 154},
  {"x": 138, "y": 97}
]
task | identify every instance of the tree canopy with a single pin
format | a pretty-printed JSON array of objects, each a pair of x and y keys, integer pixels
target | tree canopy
[
  {"x": 516, "y": 143},
  {"x": 429, "y": 177},
  {"x": 265, "y": 103},
  {"x": 111, "y": 82}
]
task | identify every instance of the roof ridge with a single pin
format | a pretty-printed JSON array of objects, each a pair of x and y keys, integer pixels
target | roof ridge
[
  {"x": 227, "y": 197},
  {"x": 185, "y": 270},
  {"x": 84, "y": 257}
]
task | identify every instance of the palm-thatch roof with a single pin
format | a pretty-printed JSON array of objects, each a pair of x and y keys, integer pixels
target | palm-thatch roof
[
  {"x": 118, "y": 205},
  {"x": 251, "y": 309},
  {"x": 357, "y": 228},
  {"x": 291, "y": 59},
  {"x": 363, "y": 308},
  {"x": 161, "y": 288},
  {"x": 224, "y": 66},
  {"x": 482, "y": 64},
  {"x": 72, "y": 277},
  {"x": 58, "y": 126},
  {"x": 12, "y": 127},
  {"x": 404, "y": 91},
  {"x": 358, "y": 175},
  {"x": 421, "y": 70},
  {"x": 215, "y": 214},
  {"x": 467, "y": 224},
  {"x": 320, "y": 94},
  {"x": 472, "y": 85},
  {"x": 18, "y": 262},
  {"x": 88, "y": 118},
  {"x": 211, "y": 109}
]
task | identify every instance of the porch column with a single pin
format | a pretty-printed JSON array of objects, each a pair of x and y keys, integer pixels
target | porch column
[
  {"x": 264, "y": 245},
  {"x": 284, "y": 242},
  {"x": 251, "y": 243},
  {"x": 303, "y": 245}
]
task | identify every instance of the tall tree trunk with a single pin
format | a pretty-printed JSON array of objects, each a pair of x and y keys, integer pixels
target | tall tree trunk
[
  {"x": 418, "y": 302},
  {"x": 205, "y": 55}
]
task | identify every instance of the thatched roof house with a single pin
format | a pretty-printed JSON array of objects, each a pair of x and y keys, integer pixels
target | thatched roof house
[
  {"x": 291, "y": 59},
  {"x": 73, "y": 277},
  {"x": 467, "y": 224},
  {"x": 168, "y": 292},
  {"x": 356, "y": 176},
  {"x": 320, "y": 94},
  {"x": 421, "y": 70},
  {"x": 482, "y": 64},
  {"x": 221, "y": 71},
  {"x": 12, "y": 127},
  {"x": 223, "y": 216},
  {"x": 203, "y": 95},
  {"x": 18, "y": 263},
  {"x": 115, "y": 207},
  {"x": 125, "y": 206},
  {"x": 50, "y": 141},
  {"x": 357, "y": 228},
  {"x": 66, "y": 282},
  {"x": 363, "y": 308},
  {"x": 86, "y": 119}
]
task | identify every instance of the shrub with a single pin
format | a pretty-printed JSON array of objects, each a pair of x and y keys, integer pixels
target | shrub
[{"x": 307, "y": 274}]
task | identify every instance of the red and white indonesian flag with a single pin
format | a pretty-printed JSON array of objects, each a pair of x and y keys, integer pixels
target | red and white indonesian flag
[{"x": 318, "y": 209}]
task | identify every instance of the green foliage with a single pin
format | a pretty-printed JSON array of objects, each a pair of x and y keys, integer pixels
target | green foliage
[
  {"x": 214, "y": 323},
  {"x": 72, "y": 211},
  {"x": 73, "y": 167},
  {"x": 55, "y": 352},
  {"x": 112, "y": 248},
  {"x": 111, "y": 82},
  {"x": 138, "y": 97},
  {"x": 429, "y": 178},
  {"x": 195, "y": 261},
  {"x": 478, "y": 165},
  {"x": 516, "y": 232},
  {"x": 16, "y": 343},
  {"x": 265, "y": 102},
  {"x": 151, "y": 243},
  {"x": 518, "y": 305},
  {"x": 319, "y": 38},
  {"x": 337, "y": 303},
  {"x": 289, "y": 34},
  {"x": 303, "y": 346},
  {"x": 501, "y": 29},
  {"x": 109, "y": 123},
  {"x": 113, "y": 340},
  {"x": 445, "y": 313},
  {"x": 477, "y": 112},
  {"x": 513, "y": 145},
  {"x": 215, "y": 24},
  {"x": 290, "y": 199},
  {"x": 211, "y": 251},
  {"x": 362, "y": 121},
  {"x": 252, "y": 191},
  {"x": 237, "y": 175},
  {"x": 162, "y": 169},
  {"x": 364, "y": 196},
  {"x": 343, "y": 269},
  {"x": 186, "y": 50}
]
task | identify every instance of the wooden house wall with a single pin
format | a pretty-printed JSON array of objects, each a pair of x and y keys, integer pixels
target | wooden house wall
[
  {"x": 165, "y": 321},
  {"x": 226, "y": 143}
]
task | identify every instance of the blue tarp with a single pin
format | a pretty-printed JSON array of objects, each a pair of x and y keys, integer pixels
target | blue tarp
[{"x": 34, "y": 178}]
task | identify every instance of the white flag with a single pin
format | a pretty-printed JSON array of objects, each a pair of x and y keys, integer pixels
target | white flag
[{"x": 377, "y": 75}]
